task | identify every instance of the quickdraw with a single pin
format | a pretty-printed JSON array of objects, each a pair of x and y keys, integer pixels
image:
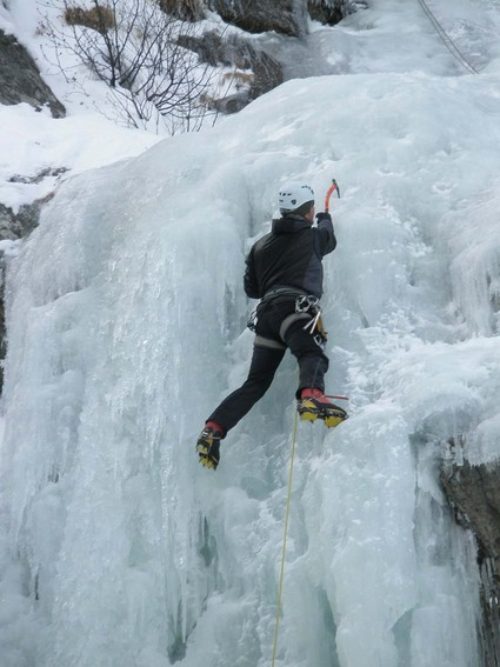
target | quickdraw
[
  {"x": 310, "y": 304},
  {"x": 252, "y": 320}
]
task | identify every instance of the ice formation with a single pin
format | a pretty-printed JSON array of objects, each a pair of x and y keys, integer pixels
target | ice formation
[{"x": 125, "y": 320}]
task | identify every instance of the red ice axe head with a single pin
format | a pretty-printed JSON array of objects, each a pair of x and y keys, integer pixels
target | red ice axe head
[{"x": 334, "y": 186}]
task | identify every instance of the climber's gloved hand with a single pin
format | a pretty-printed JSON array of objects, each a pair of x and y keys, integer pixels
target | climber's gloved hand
[{"x": 323, "y": 216}]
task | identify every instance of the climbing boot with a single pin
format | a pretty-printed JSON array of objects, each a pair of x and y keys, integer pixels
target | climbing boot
[
  {"x": 208, "y": 445},
  {"x": 313, "y": 405}
]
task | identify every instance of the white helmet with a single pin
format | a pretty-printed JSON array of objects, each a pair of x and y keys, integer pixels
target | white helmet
[{"x": 293, "y": 194}]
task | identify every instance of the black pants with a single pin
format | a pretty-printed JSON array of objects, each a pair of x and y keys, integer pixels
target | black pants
[{"x": 313, "y": 363}]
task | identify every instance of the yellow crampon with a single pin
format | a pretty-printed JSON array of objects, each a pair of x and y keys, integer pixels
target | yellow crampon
[
  {"x": 208, "y": 448},
  {"x": 331, "y": 422},
  {"x": 205, "y": 459},
  {"x": 331, "y": 416}
]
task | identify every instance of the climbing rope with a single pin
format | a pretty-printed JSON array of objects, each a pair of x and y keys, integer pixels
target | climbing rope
[
  {"x": 285, "y": 536},
  {"x": 448, "y": 42}
]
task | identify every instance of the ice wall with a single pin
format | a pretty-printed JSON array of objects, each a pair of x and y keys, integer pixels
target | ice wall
[{"x": 125, "y": 320}]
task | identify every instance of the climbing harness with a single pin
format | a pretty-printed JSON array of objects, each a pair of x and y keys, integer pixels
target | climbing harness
[
  {"x": 306, "y": 308},
  {"x": 285, "y": 536},
  {"x": 279, "y": 292}
]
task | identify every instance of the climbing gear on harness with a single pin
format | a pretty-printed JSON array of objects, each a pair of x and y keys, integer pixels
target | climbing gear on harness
[
  {"x": 276, "y": 293},
  {"x": 334, "y": 186},
  {"x": 293, "y": 195},
  {"x": 307, "y": 307},
  {"x": 252, "y": 320},
  {"x": 208, "y": 445},
  {"x": 279, "y": 292},
  {"x": 313, "y": 405},
  {"x": 310, "y": 304},
  {"x": 303, "y": 304},
  {"x": 285, "y": 535}
]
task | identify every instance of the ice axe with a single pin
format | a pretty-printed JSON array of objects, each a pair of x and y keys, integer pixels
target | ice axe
[{"x": 334, "y": 186}]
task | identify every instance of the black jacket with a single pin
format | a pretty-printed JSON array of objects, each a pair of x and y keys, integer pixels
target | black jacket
[{"x": 290, "y": 256}]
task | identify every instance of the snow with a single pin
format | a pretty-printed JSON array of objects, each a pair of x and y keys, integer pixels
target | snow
[
  {"x": 33, "y": 142},
  {"x": 125, "y": 315}
]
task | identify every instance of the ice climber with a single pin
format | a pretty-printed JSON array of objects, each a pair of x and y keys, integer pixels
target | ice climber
[{"x": 284, "y": 270}]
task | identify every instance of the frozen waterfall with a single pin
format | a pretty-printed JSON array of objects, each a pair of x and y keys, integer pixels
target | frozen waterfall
[{"x": 126, "y": 326}]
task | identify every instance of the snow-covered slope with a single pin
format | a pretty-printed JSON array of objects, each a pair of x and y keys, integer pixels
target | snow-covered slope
[
  {"x": 125, "y": 320},
  {"x": 33, "y": 143}
]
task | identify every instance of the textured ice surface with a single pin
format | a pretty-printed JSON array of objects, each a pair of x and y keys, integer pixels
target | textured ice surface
[{"x": 125, "y": 312}]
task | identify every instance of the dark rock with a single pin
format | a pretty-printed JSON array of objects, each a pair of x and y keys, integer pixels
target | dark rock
[
  {"x": 257, "y": 16},
  {"x": 266, "y": 73},
  {"x": 490, "y": 604},
  {"x": 20, "y": 80},
  {"x": 3, "y": 337},
  {"x": 287, "y": 17},
  {"x": 209, "y": 47},
  {"x": 15, "y": 226},
  {"x": 333, "y": 11},
  {"x": 228, "y": 104},
  {"x": 474, "y": 492},
  {"x": 38, "y": 178},
  {"x": 11, "y": 227},
  {"x": 186, "y": 10},
  {"x": 324, "y": 11},
  {"x": 214, "y": 50}
]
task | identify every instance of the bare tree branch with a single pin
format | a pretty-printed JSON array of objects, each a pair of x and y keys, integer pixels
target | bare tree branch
[{"x": 134, "y": 48}]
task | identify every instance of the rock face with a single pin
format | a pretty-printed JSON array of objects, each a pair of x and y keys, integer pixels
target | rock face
[
  {"x": 333, "y": 11},
  {"x": 255, "y": 72},
  {"x": 324, "y": 12},
  {"x": 256, "y": 67},
  {"x": 186, "y": 10},
  {"x": 13, "y": 227},
  {"x": 257, "y": 16},
  {"x": 20, "y": 80},
  {"x": 474, "y": 492},
  {"x": 287, "y": 17}
]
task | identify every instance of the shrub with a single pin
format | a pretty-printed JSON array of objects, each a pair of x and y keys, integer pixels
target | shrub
[
  {"x": 100, "y": 17},
  {"x": 135, "y": 48}
]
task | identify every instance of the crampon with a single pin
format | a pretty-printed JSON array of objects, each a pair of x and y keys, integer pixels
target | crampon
[{"x": 314, "y": 405}]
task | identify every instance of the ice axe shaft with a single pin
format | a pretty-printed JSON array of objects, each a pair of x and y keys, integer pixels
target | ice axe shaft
[
  {"x": 339, "y": 398},
  {"x": 334, "y": 186}
]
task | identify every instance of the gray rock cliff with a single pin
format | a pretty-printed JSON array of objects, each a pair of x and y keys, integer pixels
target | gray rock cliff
[
  {"x": 20, "y": 79},
  {"x": 474, "y": 493}
]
